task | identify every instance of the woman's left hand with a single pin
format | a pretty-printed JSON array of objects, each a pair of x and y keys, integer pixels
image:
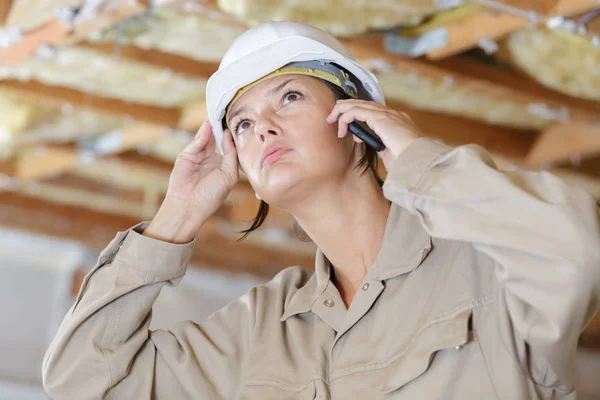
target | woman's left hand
[{"x": 396, "y": 129}]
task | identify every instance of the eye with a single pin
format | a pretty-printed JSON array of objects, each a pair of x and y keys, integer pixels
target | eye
[
  {"x": 292, "y": 95},
  {"x": 243, "y": 125}
]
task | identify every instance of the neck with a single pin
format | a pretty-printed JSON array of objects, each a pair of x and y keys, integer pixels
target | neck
[{"x": 347, "y": 222}]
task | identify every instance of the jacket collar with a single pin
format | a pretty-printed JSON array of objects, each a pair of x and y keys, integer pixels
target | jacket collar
[{"x": 405, "y": 245}]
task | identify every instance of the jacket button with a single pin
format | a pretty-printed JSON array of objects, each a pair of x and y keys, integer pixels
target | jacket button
[
  {"x": 458, "y": 347},
  {"x": 329, "y": 303},
  {"x": 365, "y": 286}
]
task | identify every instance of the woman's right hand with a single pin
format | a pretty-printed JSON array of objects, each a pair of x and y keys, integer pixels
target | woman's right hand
[{"x": 200, "y": 182}]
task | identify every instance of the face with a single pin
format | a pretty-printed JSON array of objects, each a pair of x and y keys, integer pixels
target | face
[{"x": 289, "y": 113}]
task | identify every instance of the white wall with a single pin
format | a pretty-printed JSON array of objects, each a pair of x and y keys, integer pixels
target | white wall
[{"x": 35, "y": 283}]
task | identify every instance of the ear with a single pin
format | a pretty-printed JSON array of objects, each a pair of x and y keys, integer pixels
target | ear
[{"x": 358, "y": 150}]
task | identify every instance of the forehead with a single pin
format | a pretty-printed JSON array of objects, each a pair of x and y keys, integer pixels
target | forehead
[{"x": 262, "y": 89}]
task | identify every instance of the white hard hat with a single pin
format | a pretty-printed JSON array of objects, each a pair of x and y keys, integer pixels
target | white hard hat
[{"x": 268, "y": 47}]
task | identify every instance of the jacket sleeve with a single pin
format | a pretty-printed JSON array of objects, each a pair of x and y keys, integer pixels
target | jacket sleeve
[
  {"x": 104, "y": 349},
  {"x": 543, "y": 238}
]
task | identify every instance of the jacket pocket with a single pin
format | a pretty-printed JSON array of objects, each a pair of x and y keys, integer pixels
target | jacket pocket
[
  {"x": 267, "y": 389},
  {"x": 445, "y": 332}
]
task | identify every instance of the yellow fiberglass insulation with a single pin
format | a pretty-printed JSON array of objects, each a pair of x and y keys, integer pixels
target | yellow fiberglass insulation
[
  {"x": 340, "y": 17},
  {"x": 560, "y": 60}
]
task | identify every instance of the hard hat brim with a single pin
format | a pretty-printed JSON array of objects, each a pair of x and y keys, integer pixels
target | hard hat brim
[{"x": 224, "y": 84}]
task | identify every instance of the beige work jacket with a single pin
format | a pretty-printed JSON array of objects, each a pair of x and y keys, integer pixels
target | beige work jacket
[{"x": 480, "y": 290}]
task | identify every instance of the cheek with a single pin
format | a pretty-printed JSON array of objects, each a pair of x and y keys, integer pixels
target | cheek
[{"x": 248, "y": 159}]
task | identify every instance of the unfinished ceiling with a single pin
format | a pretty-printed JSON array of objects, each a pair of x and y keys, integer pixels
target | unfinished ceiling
[{"x": 97, "y": 98}]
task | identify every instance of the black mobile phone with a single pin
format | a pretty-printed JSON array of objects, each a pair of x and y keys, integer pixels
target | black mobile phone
[{"x": 364, "y": 133}]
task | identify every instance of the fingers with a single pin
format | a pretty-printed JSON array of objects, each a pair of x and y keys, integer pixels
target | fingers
[
  {"x": 343, "y": 106},
  {"x": 230, "y": 160},
  {"x": 368, "y": 116},
  {"x": 203, "y": 140}
]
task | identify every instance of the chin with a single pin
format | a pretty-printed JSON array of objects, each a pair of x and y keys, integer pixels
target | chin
[{"x": 281, "y": 179}]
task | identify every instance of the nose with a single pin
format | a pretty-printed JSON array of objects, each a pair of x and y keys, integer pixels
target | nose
[{"x": 265, "y": 127}]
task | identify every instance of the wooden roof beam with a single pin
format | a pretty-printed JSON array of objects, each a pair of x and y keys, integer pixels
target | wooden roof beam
[
  {"x": 213, "y": 249},
  {"x": 56, "y": 32},
  {"x": 563, "y": 142},
  {"x": 174, "y": 62},
  {"x": 5, "y": 7},
  {"x": 370, "y": 48},
  {"x": 543, "y": 7},
  {"x": 466, "y": 33},
  {"x": 502, "y": 76},
  {"x": 41, "y": 162},
  {"x": 57, "y": 95}
]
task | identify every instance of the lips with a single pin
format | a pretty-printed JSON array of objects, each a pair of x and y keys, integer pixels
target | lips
[{"x": 273, "y": 153}]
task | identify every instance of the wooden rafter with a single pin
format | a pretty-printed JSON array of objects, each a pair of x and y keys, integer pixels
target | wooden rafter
[
  {"x": 176, "y": 63},
  {"x": 466, "y": 33},
  {"x": 40, "y": 162},
  {"x": 562, "y": 142},
  {"x": 370, "y": 48},
  {"x": 456, "y": 131},
  {"x": 51, "y": 33},
  {"x": 500, "y": 75},
  {"x": 54, "y": 31},
  {"x": 214, "y": 249},
  {"x": 5, "y": 7},
  {"x": 44, "y": 162},
  {"x": 57, "y": 95},
  {"x": 543, "y": 7}
]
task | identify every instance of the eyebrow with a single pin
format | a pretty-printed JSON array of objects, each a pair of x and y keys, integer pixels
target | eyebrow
[
  {"x": 238, "y": 111},
  {"x": 270, "y": 93}
]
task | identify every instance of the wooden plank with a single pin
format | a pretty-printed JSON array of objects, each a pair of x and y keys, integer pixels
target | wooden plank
[
  {"x": 89, "y": 195},
  {"x": 106, "y": 18},
  {"x": 593, "y": 27},
  {"x": 500, "y": 75},
  {"x": 176, "y": 63},
  {"x": 543, "y": 7},
  {"x": 96, "y": 229},
  {"x": 30, "y": 14},
  {"x": 7, "y": 168},
  {"x": 55, "y": 32},
  {"x": 56, "y": 95},
  {"x": 589, "y": 167},
  {"x": 561, "y": 142},
  {"x": 51, "y": 33},
  {"x": 370, "y": 48},
  {"x": 209, "y": 9},
  {"x": 68, "y": 222},
  {"x": 454, "y": 130},
  {"x": 44, "y": 162},
  {"x": 5, "y": 7},
  {"x": 41, "y": 162},
  {"x": 466, "y": 33}
]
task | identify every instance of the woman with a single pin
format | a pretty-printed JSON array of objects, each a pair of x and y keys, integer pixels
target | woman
[{"x": 453, "y": 281}]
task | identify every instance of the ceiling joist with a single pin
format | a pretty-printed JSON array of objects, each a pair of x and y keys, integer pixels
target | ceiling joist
[
  {"x": 564, "y": 142},
  {"x": 543, "y": 7},
  {"x": 40, "y": 162},
  {"x": 40, "y": 25},
  {"x": 5, "y": 7},
  {"x": 36, "y": 92},
  {"x": 96, "y": 228},
  {"x": 466, "y": 33}
]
